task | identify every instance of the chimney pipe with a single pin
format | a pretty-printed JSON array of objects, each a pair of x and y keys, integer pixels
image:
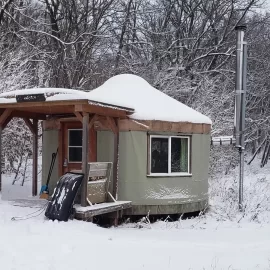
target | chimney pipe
[{"x": 240, "y": 103}]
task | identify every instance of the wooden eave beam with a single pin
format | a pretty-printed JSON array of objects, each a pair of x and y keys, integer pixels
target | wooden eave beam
[
  {"x": 23, "y": 114},
  {"x": 100, "y": 110}
]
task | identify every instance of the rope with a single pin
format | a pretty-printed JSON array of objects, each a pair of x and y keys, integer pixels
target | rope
[{"x": 31, "y": 215}]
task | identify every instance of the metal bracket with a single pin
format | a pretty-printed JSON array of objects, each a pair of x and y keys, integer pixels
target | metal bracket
[{"x": 240, "y": 91}]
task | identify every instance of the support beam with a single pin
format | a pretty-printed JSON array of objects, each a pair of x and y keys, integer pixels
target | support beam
[
  {"x": 1, "y": 129},
  {"x": 5, "y": 115},
  {"x": 85, "y": 151},
  {"x": 35, "y": 157},
  {"x": 30, "y": 125},
  {"x": 112, "y": 124},
  {"x": 79, "y": 116},
  {"x": 7, "y": 121},
  {"x": 115, "y": 159},
  {"x": 92, "y": 120}
]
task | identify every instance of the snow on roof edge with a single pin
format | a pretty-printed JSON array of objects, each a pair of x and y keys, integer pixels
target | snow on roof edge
[{"x": 122, "y": 92}]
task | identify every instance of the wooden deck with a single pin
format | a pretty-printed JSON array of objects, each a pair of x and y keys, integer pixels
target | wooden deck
[{"x": 87, "y": 213}]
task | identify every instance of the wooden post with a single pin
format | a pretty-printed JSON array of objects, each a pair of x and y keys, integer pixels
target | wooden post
[
  {"x": 85, "y": 159},
  {"x": 35, "y": 157},
  {"x": 1, "y": 157},
  {"x": 113, "y": 124},
  {"x": 116, "y": 164}
]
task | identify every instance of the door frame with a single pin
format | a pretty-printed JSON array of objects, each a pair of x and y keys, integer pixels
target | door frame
[{"x": 63, "y": 145}]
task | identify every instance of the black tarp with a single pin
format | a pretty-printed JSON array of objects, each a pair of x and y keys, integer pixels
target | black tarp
[{"x": 60, "y": 207}]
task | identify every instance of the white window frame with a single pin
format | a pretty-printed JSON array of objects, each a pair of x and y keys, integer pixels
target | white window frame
[
  {"x": 74, "y": 146},
  {"x": 169, "y": 156}
]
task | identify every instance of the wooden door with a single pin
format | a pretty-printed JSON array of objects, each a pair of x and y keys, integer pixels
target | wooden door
[{"x": 70, "y": 145}]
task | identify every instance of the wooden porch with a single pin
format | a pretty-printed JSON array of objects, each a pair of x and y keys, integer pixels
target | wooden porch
[
  {"x": 83, "y": 110},
  {"x": 98, "y": 195}
]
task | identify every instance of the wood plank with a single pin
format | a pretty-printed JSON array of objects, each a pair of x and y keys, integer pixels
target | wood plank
[
  {"x": 115, "y": 164},
  {"x": 100, "y": 209},
  {"x": 99, "y": 166},
  {"x": 7, "y": 121},
  {"x": 68, "y": 119},
  {"x": 156, "y": 126},
  {"x": 109, "y": 197},
  {"x": 32, "y": 115},
  {"x": 60, "y": 150},
  {"x": 96, "y": 191},
  {"x": 30, "y": 125},
  {"x": 101, "y": 110},
  {"x": 92, "y": 153},
  {"x": 49, "y": 110},
  {"x": 1, "y": 149},
  {"x": 102, "y": 123},
  {"x": 5, "y": 115},
  {"x": 85, "y": 159},
  {"x": 130, "y": 124},
  {"x": 97, "y": 173},
  {"x": 92, "y": 120},
  {"x": 112, "y": 124},
  {"x": 56, "y": 103},
  {"x": 79, "y": 116},
  {"x": 35, "y": 157}
]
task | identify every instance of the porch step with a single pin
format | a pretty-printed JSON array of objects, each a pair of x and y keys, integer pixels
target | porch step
[{"x": 89, "y": 212}]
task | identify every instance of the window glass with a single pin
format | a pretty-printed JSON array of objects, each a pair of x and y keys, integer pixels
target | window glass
[
  {"x": 75, "y": 146},
  {"x": 75, "y": 154},
  {"x": 75, "y": 137},
  {"x": 179, "y": 155},
  {"x": 159, "y": 155}
]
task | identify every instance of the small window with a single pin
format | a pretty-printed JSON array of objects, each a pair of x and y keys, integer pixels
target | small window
[
  {"x": 75, "y": 145},
  {"x": 169, "y": 155}
]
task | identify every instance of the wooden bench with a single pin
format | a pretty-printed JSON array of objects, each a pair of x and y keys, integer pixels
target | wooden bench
[{"x": 99, "y": 198}]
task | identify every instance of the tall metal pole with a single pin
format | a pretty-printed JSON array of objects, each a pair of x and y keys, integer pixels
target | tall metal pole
[{"x": 240, "y": 100}]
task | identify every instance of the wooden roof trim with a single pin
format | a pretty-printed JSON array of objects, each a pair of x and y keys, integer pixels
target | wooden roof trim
[
  {"x": 105, "y": 111},
  {"x": 63, "y": 103},
  {"x": 43, "y": 103},
  {"x": 127, "y": 109},
  {"x": 101, "y": 123},
  {"x": 23, "y": 114},
  {"x": 157, "y": 126}
]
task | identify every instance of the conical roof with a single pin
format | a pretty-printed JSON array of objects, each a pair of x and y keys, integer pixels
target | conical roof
[{"x": 132, "y": 91}]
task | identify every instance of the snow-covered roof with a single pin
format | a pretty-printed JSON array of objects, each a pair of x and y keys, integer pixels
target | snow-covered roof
[
  {"x": 125, "y": 90},
  {"x": 148, "y": 102},
  {"x": 51, "y": 94}
]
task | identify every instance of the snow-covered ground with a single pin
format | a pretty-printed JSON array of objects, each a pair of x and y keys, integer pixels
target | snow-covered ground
[{"x": 221, "y": 239}]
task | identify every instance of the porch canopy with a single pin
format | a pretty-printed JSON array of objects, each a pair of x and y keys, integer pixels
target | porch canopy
[
  {"x": 125, "y": 102},
  {"x": 33, "y": 105}
]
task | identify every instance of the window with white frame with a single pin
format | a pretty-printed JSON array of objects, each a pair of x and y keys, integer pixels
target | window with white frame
[
  {"x": 169, "y": 155},
  {"x": 75, "y": 145}
]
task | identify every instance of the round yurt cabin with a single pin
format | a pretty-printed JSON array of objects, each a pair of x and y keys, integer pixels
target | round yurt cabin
[{"x": 163, "y": 153}]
